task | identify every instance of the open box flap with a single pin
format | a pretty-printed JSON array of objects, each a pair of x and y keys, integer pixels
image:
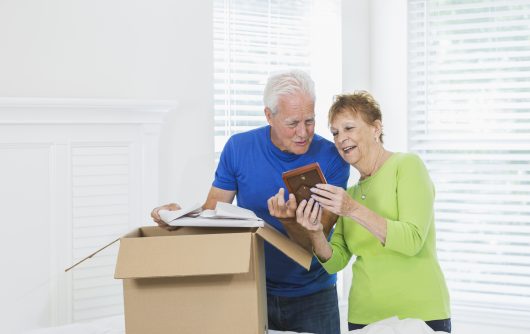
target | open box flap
[
  {"x": 286, "y": 245},
  {"x": 184, "y": 255},
  {"x": 135, "y": 232}
]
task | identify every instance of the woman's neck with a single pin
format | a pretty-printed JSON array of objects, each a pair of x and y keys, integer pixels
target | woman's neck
[{"x": 372, "y": 164}]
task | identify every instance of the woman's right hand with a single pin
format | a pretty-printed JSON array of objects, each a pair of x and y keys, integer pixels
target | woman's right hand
[
  {"x": 156, "y": 216},
  {"x": 309, "y": 215}
]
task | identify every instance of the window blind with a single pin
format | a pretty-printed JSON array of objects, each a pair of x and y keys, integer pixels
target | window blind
[
  {"x": 251, "y": 40},
  {"x": 469, "y": 119}
]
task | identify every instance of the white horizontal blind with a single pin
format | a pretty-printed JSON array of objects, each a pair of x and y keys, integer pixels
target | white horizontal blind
[
  {"x": 469, "y": 119},
  {"x": 251, "y": 40}
]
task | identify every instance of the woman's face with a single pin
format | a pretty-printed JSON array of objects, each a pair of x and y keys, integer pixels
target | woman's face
[{"x": 354, "y": 138}]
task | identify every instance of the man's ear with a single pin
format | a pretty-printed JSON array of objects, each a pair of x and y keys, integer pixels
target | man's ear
[{"x": 268, "y": 115}]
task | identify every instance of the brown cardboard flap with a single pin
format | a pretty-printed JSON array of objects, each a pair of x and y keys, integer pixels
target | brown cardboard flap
[
  {"x": 286, "y": 245},
  {"x": 184, "y": 255},
  {"x": 133, "y": 233}
]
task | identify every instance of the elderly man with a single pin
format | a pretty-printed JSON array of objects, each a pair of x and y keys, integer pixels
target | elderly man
[{"x": 251, "y": 167}]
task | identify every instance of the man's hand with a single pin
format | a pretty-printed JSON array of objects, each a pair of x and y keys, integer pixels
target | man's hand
[
  {"x": 156, "y": 216},
  {"x": 286, "y": 214},
  {"x": 278, "y": 208}
]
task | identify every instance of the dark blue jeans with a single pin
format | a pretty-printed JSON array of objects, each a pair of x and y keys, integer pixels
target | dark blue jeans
[
  {"x": 443, "y": 325},
  {"x": 316, "y": 313}
]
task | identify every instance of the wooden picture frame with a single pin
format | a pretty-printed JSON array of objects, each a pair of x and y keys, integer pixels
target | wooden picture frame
[{"x": 299, "y": 181}]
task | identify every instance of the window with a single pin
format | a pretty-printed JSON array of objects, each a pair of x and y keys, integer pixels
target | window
[
  {"x": 469, "y": 118},
  {"x": 254, "y": 38}
]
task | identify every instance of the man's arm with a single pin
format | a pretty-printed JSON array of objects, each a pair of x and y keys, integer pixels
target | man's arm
[{"x": 218, "y": 195}]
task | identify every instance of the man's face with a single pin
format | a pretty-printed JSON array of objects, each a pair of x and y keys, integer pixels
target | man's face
[{"x": 293, "y": 125}]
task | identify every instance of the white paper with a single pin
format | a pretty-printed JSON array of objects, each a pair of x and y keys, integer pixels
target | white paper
[
  {"x": 394, "y": 325},
  {"x": 224, "y": 215},
  {"x": 216, "y": 222},
  {"x": 169, "y": 215},
  {"x": 227, "y": 210}
]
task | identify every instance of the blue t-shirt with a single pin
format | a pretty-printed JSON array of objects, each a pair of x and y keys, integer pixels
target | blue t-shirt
[{"x": 252, "y": 166}]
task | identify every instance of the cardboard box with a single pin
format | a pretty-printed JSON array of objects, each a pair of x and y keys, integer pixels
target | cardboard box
[{"x": 197, "y": 279}]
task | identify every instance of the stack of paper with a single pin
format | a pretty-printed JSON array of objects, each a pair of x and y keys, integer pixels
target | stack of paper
[{"x": 224, "y": 215}]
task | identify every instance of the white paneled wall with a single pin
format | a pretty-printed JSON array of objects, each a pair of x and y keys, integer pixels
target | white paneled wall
[
  {"x": 24, "y": 253},
  {"x": 101, "y": 198},
  {"x": 74, "y": 175}
]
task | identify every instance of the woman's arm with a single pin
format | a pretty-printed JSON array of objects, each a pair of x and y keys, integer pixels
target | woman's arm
[
  {"x": 309, "y": 216},
  {"x": 414, "y": 219},
  {"x": 333, "y": 256},
  {"x": 339, "y": 202}
]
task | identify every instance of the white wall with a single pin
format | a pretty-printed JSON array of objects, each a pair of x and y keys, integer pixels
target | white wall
[
  {"x": 325, "y": 65},
  {"x": 356, "y": 45},
  {"x": 145, "y": 49},
  {"x": 85, "y": 172},
  {"x": 374, "y": 59},
  {"x": 388, "y": 67}
]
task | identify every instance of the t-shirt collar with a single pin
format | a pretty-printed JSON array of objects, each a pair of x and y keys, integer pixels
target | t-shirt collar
[{"x": 284, "y": 156}]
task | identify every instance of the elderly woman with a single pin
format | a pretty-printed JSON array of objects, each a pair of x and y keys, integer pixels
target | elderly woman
[{"x": 386, "y": 221}]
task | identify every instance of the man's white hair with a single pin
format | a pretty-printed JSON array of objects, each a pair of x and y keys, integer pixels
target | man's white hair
[{"x": 287, "y": 83}]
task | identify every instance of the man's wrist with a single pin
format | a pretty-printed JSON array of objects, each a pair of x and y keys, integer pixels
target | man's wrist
[{"x": 287, "y": 220}]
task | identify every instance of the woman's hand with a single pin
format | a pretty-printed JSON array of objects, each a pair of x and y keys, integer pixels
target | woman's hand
[
  {"x": 334, "y": 199},
  {"x": 280, "y": 209},
  {"x": 309, "y": 215}
]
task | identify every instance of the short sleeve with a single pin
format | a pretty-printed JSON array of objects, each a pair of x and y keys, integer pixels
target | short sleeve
[
  {"x": 338, "y": 172},
  {"x": 225, "y": 174}
]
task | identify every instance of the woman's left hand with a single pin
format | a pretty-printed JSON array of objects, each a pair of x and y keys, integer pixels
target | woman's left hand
[{"x": 334, "y": 199}]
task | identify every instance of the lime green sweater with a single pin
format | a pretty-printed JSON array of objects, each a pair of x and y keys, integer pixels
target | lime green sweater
[{"x": 401, "y": 278}]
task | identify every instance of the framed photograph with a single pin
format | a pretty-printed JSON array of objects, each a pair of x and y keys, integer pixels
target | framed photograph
[{"x": 300, "y": 180}]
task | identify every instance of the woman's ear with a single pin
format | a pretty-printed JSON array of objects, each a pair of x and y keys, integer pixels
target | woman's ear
[{"x": 378, "y": 129}]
